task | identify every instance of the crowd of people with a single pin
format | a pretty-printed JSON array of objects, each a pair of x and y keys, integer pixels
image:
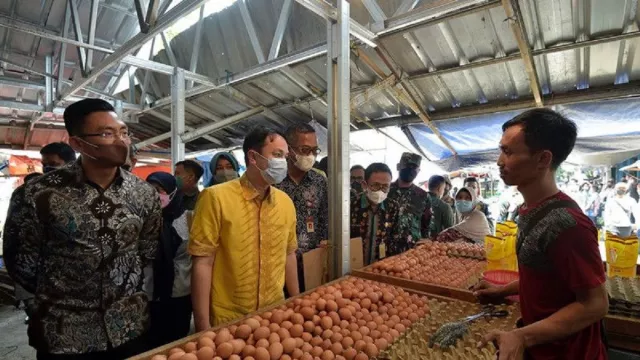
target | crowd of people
[{"x": 114, "y": 264}]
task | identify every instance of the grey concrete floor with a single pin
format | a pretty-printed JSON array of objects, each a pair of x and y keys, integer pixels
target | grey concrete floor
[{"x": 14, "y": 344}]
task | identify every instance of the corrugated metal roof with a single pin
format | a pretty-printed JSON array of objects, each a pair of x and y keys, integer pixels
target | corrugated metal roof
[{"x": 226, "y": 50}]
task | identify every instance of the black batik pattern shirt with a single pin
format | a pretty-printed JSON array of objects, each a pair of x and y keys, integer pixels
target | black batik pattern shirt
[
  {"x": 81, "y": 250},
  {"x": 412, "y": 207},
  {"x": 310, "y": 198}
]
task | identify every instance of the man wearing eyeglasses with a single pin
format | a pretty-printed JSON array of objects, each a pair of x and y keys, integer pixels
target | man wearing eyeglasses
[
  {"x": 79, "y": 239},
  {"x": 371, "y": 216},
  {"x": 308, "y": 191}
]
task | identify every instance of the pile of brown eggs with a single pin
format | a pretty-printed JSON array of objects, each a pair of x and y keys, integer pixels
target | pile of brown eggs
[
  {"x": 434, "y": 263},
  {"x": 353, "y": 319}
]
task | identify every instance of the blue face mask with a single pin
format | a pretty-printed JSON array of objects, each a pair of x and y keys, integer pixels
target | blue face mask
[
  {"x": 276, "y": 171},
  {"x": 464, "y": 206}
]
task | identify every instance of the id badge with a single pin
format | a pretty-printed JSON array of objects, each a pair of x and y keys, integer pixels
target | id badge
[
  {"x": 383, "y": 251},
  {"x": 310, "y": 225}
]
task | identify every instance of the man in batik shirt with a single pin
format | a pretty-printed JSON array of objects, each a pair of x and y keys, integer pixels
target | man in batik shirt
[
  {"x": 371, "y": 214},
  {"x": 308, "y": 190},
  {"x": 413, "y": 206},
  {"x": 78, "y": 239}
]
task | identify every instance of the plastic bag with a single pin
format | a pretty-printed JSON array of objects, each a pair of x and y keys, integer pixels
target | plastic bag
[
  {"x": 622, "y": 255},
  {"x": 501, "y": 253}
]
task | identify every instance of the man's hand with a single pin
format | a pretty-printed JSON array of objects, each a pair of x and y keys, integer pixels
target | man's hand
[
  {"x": 485, "y": 291},
  {"x": 323, "y": 244},
  {"x": 510, "y": 344}
]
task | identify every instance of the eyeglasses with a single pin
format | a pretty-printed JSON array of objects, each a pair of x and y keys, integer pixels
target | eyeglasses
[
  {"x": 306, "y": 150},
  {"x": 111, "y": 135},
  {"x": 378, "y": 187}
]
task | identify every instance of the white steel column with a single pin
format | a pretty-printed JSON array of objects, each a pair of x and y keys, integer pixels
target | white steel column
[
  {"x": 338, "y": 119},
  {"x": 177, "y": 116},
  {"x": 48, "y": 84}
]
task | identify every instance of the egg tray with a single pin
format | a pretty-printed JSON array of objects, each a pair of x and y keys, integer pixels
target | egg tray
[
  {"x": 164, "y": 350},
  {"x": 624, "y": 296},
  {"x": 414, "y": 343}
]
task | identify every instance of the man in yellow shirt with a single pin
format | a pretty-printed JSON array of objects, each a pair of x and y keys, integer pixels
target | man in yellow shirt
[{"x": 243, "y": 237}]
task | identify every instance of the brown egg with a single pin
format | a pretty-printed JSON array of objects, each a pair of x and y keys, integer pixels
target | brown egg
[
  {"x": 204, "y": 341},
  {"x": 318, "y": 331},
  {"x": 336, "y": 337},
  {"x": 235, "y": 357},
  {"x": 394, "y": 333},
  {"x": 335, "y": 317},
  {"x": 210, "y": 334},
  {"x": 374, "y": 297},
  {"x": 381, "y": 343},
  {"x": 350, "y": 354},
  {"x": 328, "y": 355},
  {"x": 326, "y": 322},
  {"x": 274, "y": 338},
  {"x": 297, "y": 318},
  {"x": 275, "y": 350},
  {"x": 360, "y": 345},
  {"x": 326, "y": 344},
  {"x": 262, "y": 354},
  {"x": 340, "y": 357},
  {"x": 353, "y": 327},
  {"x": 372, "y": 325},
  {"x": 316, "y": 319},
  {"x": 364, "y": 330},
  {"x": 336, "y": 347},
  {"x": 299, "y": 342},
  {"x": 261, "y": 333},
  {"x": 243, "y": 331},
  {"x": 296, "y": 354},
  {"x": 262, "y": 343},
  {"x": 316, "y": 341},
  {"x": 265, "y": 322},
  {"x": 277, "y": 317},
  {"x": 306, "y": 303},
  {"x": 286, "y": 325},
  {"x": 306, "y": 347},
  {"x": 317, "y": 351},
  {"x": 306, "y": 337},
  {"x": 356, "y": 335},
  {"x": 309, "y": 326},
  {"x": 371, "y": 350},
  {"x": 347, "y": 342},
  {"x": 224, "y": 350},
  {"x": 296, "y": 330},
  {"x": 284, "y": 333},
  {"x": 249, "y": 350},
  {"x": 345, "y": 314},
  {"x": 223, "y": 336},
  {"x": 175, "y": 350},
  {"x": 190, "y": 346},
  {"x": 238, "y": 345},
  {"x": 321, "y": 304},
  {"x": 189, "y": 357},
  {"x": 273, "y": 327},
  {"x": 307, "y": 313},
  {"x": 332, "y": 305},
  {"x": 285, "y": 357},
  {"x": 375, "y": 334},
  {"x": 288, "y": 345},
  {"x": 400, "y": 328},
  {"x": 163, "y": 357},
  {"x": 267, "y": 315},
  {"x": 327, "y": 334},
  {"x": 342, "y": 302},
  {"x": 361, "y": 356}
]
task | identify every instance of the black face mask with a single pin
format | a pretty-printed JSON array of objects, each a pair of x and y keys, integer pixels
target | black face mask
[
  {"x": 47, "y": 169},
  {"x": 408, "y": 174},
  {"x": 356, "y": 186}
]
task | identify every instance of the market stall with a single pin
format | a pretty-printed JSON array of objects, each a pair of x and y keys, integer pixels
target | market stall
[{"x": 350, "y": 318}]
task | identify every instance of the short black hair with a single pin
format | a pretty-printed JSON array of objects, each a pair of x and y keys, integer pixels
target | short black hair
[
  {"x": 545, "y": 129},
  {"x": 435, "y": 182},
  {"x": 193, "y": 166},
  {"x": 295, "y": 129},
  {"x": 471, "y": 179},
  {"x": 376, "y": 168},
  {"x": 356, "y": 167},
  {"x": 32, "y": 176},
  {"x": 63, "y": 150},
  {"x": 255, "y": 140},
  {"x": 76, "y": 113}
]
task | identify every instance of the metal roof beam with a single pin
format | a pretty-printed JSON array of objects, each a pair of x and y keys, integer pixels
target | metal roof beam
[
  {"x": 281, "y": 28},
  {"x": 93, "y": 21},
  {"x": 429, "y": 14},
  {"x": 251, "y": 30},
  {"x": 195, "y": 50},
  {"x": 374, "y": 10},
  {"x": 189, "y": 107},
  {"x": 77, "y": 29},
  {"x": 406, "y": 6},
  {"x": 168, "y": 51},
  {"x": 514, "y": 16},
  {"x": 327, "y": 11},
  {"x": 169, "y": 18},
  {"x": 208, "y": 129},
  {"x": 142, "y": 22}
]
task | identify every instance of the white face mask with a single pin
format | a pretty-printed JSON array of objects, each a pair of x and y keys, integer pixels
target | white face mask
[
  {"x": 305, "y": 162},
  {"x": 276, "y": 170},
  {"x": 376, "y": 197},
  {"x": 225, "y": 175}
]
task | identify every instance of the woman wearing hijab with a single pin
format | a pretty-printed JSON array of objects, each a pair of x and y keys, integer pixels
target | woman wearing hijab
[
  {"x": 224, "y": 167},
  {"x": 171, "y": 292},
  {"x": 471, "y": 224}
]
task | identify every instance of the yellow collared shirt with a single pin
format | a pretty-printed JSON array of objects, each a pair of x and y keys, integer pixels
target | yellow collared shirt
[{"x": 251, "y": 240}]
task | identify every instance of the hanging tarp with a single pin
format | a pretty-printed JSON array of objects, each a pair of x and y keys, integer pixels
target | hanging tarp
[
  {"x": 607, "y": 131},
  {"x": 19, "y": 165}
]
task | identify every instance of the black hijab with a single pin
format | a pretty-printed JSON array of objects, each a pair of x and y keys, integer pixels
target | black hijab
[{"x": 163, "y": 267}]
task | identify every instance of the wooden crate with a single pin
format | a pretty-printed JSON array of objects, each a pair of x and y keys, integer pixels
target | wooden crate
[
  {"x": 623, "y": 332},
  {"x": 450, "y": 292},
  {"x": 180, "y": 343}
]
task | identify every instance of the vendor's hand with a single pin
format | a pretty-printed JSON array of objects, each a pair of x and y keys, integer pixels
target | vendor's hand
[
  {"x": 510, "y": 344},
  {"x": 485, "y": 291}
]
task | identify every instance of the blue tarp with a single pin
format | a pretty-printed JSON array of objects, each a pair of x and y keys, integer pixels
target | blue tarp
[{"x": 603, "y": 127}]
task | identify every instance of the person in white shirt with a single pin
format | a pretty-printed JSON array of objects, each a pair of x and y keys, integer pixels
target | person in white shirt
[{"x": 618, "y": 211}]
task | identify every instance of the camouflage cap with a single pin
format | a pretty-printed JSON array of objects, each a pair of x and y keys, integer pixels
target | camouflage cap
[{"x": 408, "y": 158}]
